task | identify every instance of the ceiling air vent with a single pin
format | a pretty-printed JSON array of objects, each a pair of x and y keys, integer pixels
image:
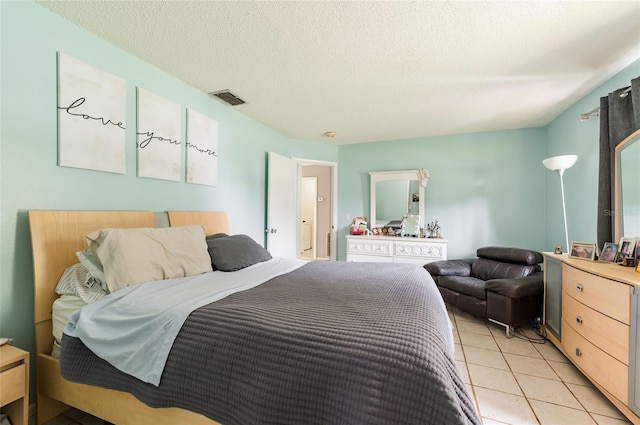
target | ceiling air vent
[{"x": 228, "y": 97}]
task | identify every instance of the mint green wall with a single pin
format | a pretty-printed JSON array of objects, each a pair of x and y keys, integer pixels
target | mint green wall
[
  {"x": 491, "y": 188},
  {"x": 30, "y": 38},
  {"x": 484, "y": 188},
  {"x": 568, "y": 135}
]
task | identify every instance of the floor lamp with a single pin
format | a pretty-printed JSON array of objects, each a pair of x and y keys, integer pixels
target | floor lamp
[{"x": 559, "y": 164}]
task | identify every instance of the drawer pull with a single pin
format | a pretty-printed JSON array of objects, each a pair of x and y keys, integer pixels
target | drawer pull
[
  {"x": 579, "y": 320},
  {"x": 578, "y": 352},
  {"x": 579, "y": 287}
]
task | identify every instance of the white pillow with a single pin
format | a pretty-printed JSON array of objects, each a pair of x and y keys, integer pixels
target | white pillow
[
  {"x": 132, "y": 256},
  {"x": 76, "y": 280},
  {"x": 91, "y": 263}
]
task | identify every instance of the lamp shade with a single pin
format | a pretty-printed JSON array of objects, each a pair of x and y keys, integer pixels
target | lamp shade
[{"x": 560, "y": 163}]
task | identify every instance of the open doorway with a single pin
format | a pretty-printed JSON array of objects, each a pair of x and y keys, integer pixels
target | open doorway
[
  {"x": 283, "y": 212},
  {"x": 316, "y": 211}
]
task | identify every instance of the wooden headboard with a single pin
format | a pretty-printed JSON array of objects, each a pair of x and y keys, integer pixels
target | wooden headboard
[
  {"x": 56, "y": 236},
  {"x": 214, "y": 221}
]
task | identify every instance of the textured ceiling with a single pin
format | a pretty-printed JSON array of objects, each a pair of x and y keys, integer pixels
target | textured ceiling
[{"x": 373, "y": 71}]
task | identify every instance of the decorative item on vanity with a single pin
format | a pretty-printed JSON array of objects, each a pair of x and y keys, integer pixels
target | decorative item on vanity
[
  {"x": 434, "y": 229},
  {"x": 560, "y": 164},
  {"x": 410, "y": 225},
  {"x": 424, "y": 177},
  {"x": 358, "y": 226},
  {"x": 583, "y": 250}
]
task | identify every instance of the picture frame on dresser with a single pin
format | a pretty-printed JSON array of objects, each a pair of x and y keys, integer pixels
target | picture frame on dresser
[
  {"x": 582, "y": 251},
  {"x": 609, "y": 252},
  {"x": 627, "y": 249}
]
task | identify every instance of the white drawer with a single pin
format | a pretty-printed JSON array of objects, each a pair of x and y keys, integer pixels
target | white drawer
[
  {"x": 370, "y": 247},
  {"x": 357, "y": 258},
  {"x": 421, "y": 250}
]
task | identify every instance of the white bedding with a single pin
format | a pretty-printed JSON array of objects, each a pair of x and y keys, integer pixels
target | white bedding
[
  {"x": 134, "y": 328},
  {"x": 62, "y": 310}
]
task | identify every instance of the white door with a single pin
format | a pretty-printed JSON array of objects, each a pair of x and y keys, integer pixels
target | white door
[{"x": 282, "y": 193}]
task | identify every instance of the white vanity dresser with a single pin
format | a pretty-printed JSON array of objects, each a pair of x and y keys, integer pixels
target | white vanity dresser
[
  {"x": 391, "y": 249},
  {"x": 394, "y": 195}
]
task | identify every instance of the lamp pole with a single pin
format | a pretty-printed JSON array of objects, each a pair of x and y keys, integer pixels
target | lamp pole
[{"x": 564, "y": 210}]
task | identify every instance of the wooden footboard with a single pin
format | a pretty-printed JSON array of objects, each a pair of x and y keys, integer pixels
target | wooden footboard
[{"x": 56, "y": 394}]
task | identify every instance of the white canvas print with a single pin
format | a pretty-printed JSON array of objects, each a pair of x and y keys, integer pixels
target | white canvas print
[
  {"x": 202, "y": 149},
  {"x": 91, "y": 117},
  {"x": 159, "y": 150}
]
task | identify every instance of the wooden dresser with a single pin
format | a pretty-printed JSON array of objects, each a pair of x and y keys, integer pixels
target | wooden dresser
[
  {"x": 598, "y": 321},
  {"x": 390, "y": 249}
]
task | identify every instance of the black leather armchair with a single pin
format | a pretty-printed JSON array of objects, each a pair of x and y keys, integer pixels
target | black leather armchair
[{"x": 504, "y": 285}]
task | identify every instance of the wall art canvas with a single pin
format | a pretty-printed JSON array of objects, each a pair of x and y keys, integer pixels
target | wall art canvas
[
  {"x": 91, "y": 117},
  {"x": 158, "y": 133},
  {"x": 202, "y": 149}
]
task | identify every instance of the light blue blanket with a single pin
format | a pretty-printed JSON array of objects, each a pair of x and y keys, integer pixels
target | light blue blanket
[{"x": 134, "y": 328}]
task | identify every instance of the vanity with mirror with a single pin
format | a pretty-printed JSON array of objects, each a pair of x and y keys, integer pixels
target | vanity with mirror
[{"x": 397, "y": 209}]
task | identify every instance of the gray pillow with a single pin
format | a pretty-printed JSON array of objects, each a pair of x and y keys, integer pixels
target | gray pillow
[
  {"x": 210, "y": 238},
  {"x": 231, "y": 253}
]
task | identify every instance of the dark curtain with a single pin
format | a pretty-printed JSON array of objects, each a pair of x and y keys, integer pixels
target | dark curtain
[{"x": 619, "y": 117}]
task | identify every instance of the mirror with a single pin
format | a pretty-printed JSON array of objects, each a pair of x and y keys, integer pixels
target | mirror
[
  {"x": 626, "y": 217},
  {"x": 394, "y": 195}
]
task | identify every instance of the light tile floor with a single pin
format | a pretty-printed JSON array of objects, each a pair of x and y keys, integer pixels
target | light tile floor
[
  {"x": 516, "y": 381},
  {"x": 512, "y": 381}
]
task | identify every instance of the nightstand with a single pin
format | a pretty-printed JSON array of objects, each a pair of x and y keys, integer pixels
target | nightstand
[{"x": 14, "y": 384}]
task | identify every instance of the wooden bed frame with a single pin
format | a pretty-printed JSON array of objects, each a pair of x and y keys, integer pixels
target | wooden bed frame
[{"x": 56, "y": 236}]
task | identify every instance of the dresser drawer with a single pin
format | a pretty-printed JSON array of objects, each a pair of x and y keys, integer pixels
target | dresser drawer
[
  {"x": 357, "y": 258},
  {"x": 420, "y": 250},
  {"x": 610, "y": 373},
  {"x": 602, "y": 331},
  {"x": 370, "y": 247},
  {"x": 608, "y": 297},
  {"x": 12, "y": 384}
]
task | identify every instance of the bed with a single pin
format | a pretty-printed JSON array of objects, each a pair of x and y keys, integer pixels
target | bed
[{"x": 287, "y": 385}]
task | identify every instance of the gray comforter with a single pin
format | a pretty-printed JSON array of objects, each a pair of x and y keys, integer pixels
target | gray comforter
[{"x": 329, "y": 343}]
